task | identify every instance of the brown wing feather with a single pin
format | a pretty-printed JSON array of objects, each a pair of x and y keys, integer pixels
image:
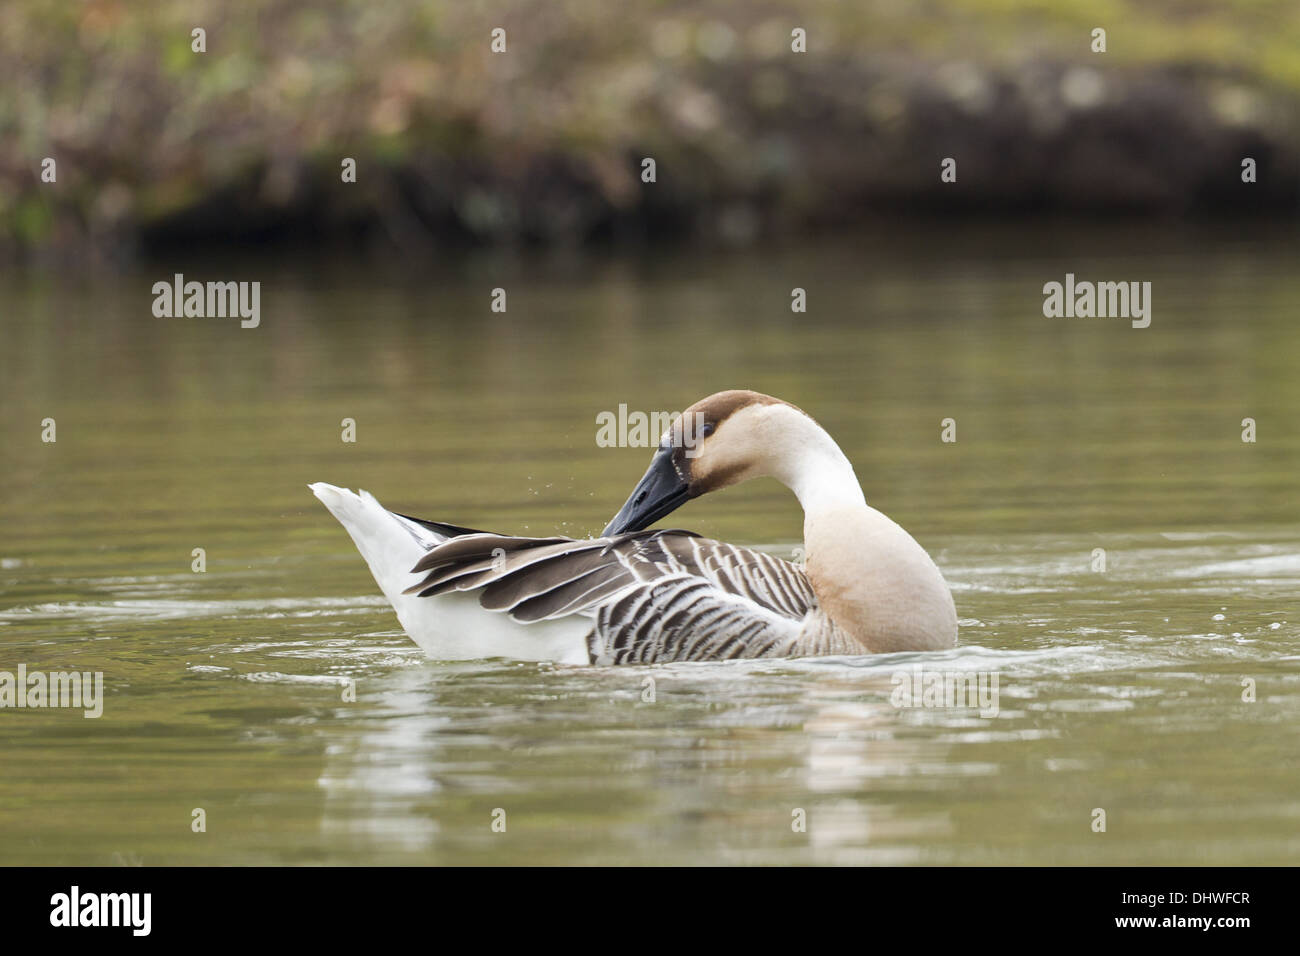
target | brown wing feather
[
  {"x": 537, "y": 578},
  {"x": 477, "y": 547}
]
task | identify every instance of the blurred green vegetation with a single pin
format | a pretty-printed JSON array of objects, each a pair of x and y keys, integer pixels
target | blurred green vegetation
[{"x": 544, "y": 142}]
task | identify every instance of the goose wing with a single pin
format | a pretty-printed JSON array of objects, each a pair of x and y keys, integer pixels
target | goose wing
[{"x": 653, "y": 595}]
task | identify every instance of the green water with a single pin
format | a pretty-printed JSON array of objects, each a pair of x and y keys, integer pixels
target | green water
[{"x": 1120, "y": 690}]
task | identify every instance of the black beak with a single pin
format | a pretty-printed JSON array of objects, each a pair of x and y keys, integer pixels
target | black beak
[{"x": 660, "y": 492}]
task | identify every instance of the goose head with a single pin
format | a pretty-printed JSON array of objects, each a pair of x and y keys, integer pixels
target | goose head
[{"x": 729, "y": 437}]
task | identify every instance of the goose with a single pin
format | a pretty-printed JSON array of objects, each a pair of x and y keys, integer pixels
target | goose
[{"x": 641, "y": 595}]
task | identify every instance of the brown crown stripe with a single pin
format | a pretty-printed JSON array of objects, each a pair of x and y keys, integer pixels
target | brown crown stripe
[{"x": 720, "y": 406}]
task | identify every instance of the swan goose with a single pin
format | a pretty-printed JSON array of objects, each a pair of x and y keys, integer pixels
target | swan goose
[{"x": 639, "y": 596}]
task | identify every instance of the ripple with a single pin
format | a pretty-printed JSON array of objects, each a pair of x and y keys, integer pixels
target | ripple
[{"x": 162, "y": 610}]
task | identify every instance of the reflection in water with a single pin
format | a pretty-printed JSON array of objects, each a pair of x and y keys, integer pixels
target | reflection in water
[{"x": 376, "y": 781}]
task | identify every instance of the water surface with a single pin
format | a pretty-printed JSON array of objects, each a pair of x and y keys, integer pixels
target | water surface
[{"x": 1119, "y": 689}]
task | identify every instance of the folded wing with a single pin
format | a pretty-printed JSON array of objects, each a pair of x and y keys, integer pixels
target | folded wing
[{"x": 652, "y": 595}]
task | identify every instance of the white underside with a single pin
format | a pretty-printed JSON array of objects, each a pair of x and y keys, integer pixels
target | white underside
[{"x": 450, "y": 626}]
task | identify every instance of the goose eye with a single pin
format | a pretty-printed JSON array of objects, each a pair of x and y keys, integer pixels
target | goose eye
[{"x": 707, "y": 430}]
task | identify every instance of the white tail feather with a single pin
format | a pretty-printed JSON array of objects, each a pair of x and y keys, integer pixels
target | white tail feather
[{"x": 451, "y": 626}]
